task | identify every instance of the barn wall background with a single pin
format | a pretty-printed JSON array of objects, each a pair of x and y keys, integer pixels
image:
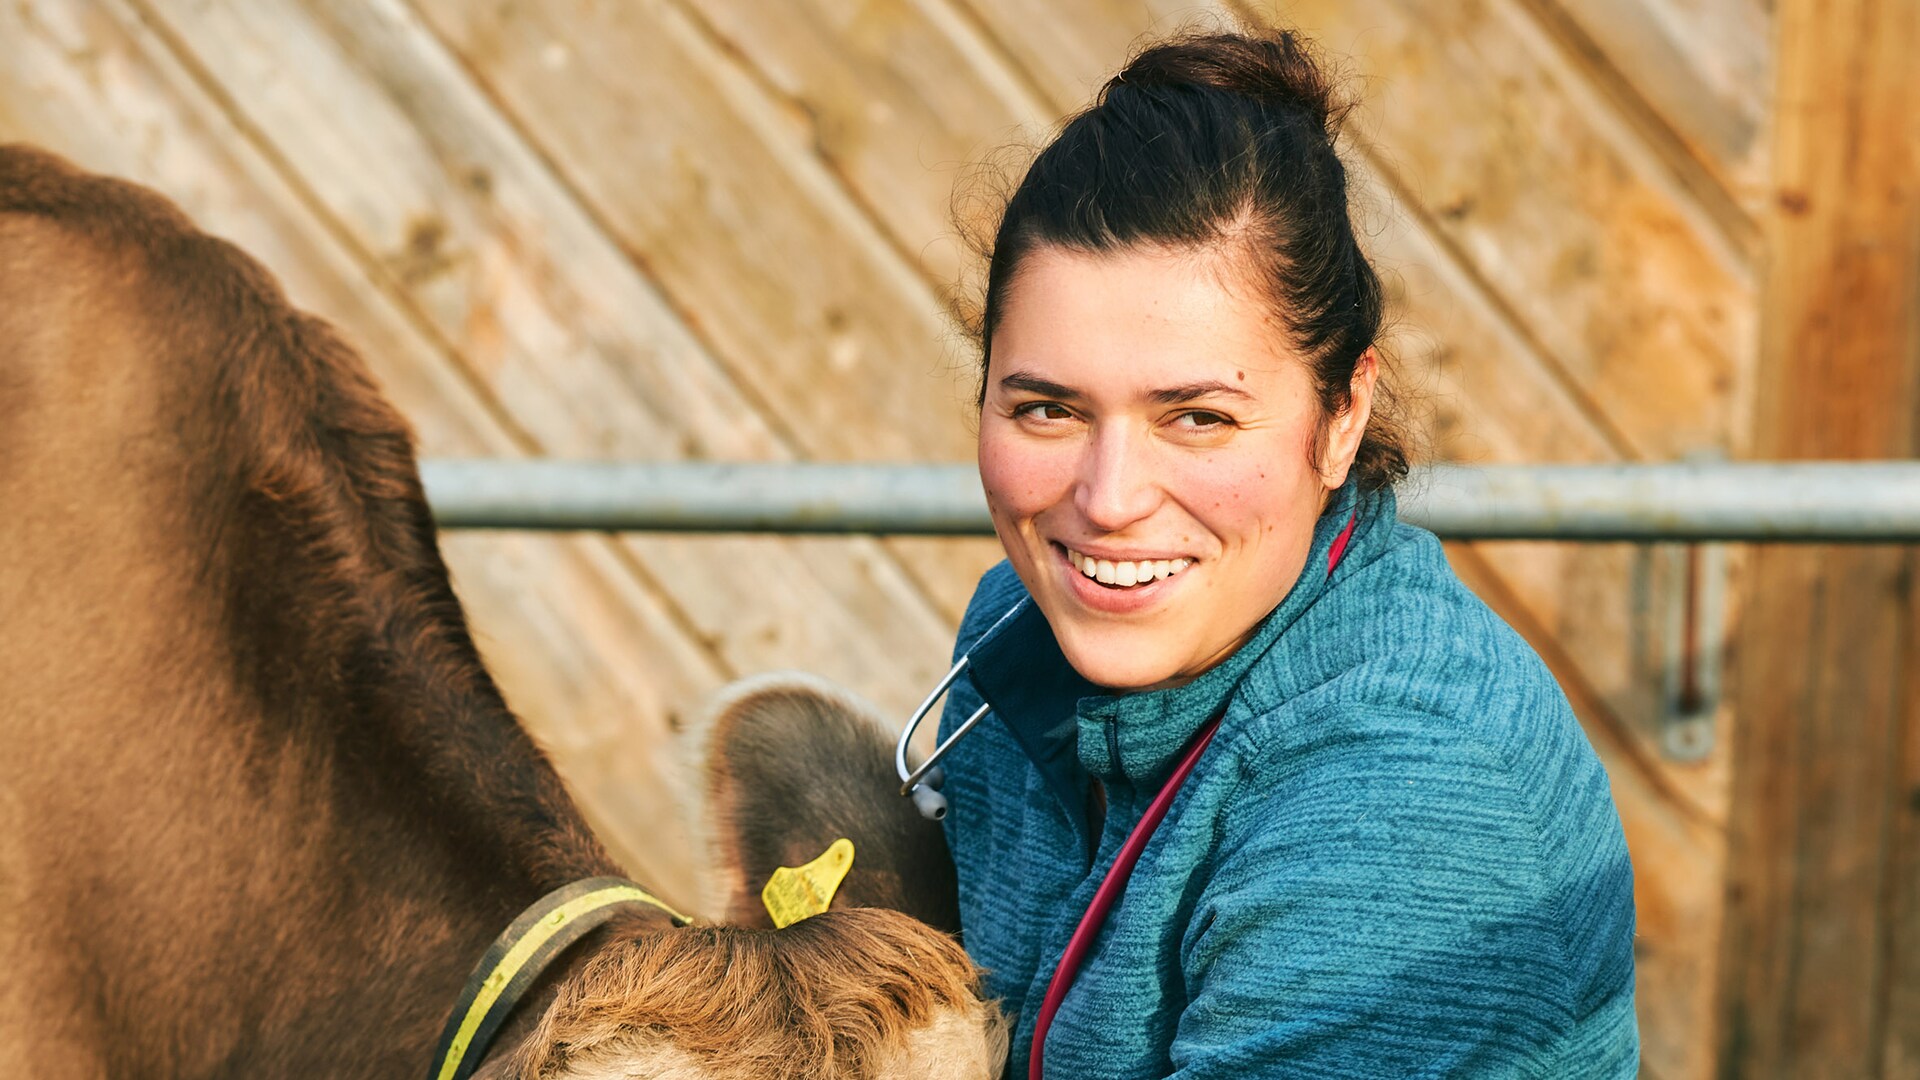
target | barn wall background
[{"x": 719, "y": 229}]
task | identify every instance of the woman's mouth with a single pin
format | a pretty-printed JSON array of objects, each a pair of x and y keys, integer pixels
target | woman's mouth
[{"x": 1128, "y": 573}]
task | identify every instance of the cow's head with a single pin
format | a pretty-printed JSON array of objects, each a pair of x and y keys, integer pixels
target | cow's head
[
  {"x": 844, "y": 995},
  {"x": 784, "y": 766}
]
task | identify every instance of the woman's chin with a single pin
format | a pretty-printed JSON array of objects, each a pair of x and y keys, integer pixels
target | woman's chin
[{"x": 1123, "y": 667}]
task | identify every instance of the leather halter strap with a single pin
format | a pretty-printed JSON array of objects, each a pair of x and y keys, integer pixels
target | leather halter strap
[{"x": 518, "y": 957}]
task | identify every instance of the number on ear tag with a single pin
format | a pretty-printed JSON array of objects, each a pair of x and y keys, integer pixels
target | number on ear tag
[{"x": 796, "y": 892}]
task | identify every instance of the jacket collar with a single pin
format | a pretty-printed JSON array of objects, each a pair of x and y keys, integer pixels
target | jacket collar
[{"x": 1071, "y": 728}]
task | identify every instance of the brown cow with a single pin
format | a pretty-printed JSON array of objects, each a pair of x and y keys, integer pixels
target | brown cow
[{"x": 261, "y": 807}]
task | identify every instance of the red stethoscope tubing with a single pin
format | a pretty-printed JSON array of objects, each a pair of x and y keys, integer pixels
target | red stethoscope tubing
[
  {"x": 1109, "y": 891},
  {"x": 1115, "y": 882}
]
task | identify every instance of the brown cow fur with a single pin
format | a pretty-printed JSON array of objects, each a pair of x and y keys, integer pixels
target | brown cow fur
[
  {"x": 773, "y": 1004},
  {"x": 261, "y": 807}
]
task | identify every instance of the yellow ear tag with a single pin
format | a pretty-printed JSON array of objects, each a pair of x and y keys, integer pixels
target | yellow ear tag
[{"x": 796, "y": 892}]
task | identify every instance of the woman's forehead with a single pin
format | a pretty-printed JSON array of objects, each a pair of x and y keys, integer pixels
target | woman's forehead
[{"x": 1152, "y": 319}]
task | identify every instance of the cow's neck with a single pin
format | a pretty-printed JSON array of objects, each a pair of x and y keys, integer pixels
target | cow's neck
[{"x": 445, "y": 819}]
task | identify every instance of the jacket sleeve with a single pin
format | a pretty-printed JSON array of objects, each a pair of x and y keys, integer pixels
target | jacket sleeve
[{"x": 1386, "y": 907}]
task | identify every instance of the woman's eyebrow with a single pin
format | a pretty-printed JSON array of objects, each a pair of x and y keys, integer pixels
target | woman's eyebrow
[
  {"x": 1175, "y": 395},
  {"x": 1033, "y": 384}
]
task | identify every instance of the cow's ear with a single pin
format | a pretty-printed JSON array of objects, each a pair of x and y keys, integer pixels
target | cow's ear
[{"x": 786, "y": 766}]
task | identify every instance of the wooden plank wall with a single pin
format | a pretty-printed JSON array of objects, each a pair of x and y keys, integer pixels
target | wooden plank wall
[
  {"x": 719, "y": 229},
  {"x": 1821, "y": 954}
]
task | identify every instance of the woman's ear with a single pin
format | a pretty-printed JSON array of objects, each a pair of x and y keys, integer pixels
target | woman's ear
[{"x": 1345, "y": 430}]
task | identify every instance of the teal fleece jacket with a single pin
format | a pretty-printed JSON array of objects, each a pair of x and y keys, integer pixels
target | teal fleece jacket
[{"x": 1398, "y": 857}]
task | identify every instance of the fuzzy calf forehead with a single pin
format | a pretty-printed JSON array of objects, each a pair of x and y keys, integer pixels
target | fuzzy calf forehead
[
  {"x": 849, "y": 994},
  {"x": 967, "y": 1042}
]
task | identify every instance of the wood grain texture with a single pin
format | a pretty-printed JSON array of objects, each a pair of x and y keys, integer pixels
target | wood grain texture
[
  {"x": 592, "y": 659},
  {"x": 516, "y": 277},
  {"x": 1902, "y": 1060},
  {"x": 712, "y": 184},
  {"x": 1556, "y": 204},
  {"x": 1066, "y": 51},
  {"x": 1706, "y": 65},
  {"x": 1819, "y": 919},
  {"x": 901, "y": 101},
  {"x": 691, "y": 168},
  {"x": 1693, "y": 78}
]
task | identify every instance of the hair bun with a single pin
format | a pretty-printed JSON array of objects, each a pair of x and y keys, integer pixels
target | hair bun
[{"x": 1274, "y": 68}]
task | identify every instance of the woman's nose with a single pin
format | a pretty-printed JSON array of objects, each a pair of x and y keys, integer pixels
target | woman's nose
[{"x": 1116, "y": 486}]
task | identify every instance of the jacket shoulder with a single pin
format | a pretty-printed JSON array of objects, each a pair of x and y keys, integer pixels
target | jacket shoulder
[{"x": 1402, "y": 635}]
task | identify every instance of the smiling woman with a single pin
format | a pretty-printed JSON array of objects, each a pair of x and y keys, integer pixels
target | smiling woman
[{"x": 1270, "y": 791}]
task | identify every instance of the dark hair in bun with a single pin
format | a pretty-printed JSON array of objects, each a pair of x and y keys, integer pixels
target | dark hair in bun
[{"x": 1218, "y": 139}]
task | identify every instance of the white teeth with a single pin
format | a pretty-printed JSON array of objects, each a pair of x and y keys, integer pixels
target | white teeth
[{"x": 1125, "y": 574}]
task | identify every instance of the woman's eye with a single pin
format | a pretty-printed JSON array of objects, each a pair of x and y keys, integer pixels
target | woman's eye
[
  {"x": 1201, "y": 420},
  {"x": 1043, "y": 410}
]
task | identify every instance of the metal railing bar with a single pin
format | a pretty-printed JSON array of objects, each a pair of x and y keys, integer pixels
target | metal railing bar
[{"x": 1799, "y": 502}]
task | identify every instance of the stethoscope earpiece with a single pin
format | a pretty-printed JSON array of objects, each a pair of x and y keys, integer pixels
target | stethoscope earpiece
[{"x": 927, "y": 798}]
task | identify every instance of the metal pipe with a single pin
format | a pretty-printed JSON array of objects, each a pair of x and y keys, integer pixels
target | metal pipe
[
  {"x": 705, "y": 497},
  {"x": 1867, "y": 502}
]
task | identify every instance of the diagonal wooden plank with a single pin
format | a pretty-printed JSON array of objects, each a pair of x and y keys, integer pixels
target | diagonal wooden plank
[
  {"x": 595, "y": 662},
  {"x": 1701, "y": 70},
  {"x": 386, "y": 130},
  {"x": 899, "y": 105},
  {"x": 917, "y": 90},
  {"x": 896, "y": 104},
  {"x": 717, "y": 190},
  {"x": 1558, "y": 206},
  {"x": 1067, "y": 51}
]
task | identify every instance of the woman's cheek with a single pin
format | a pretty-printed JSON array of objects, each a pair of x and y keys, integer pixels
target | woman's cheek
[
  {"x": 1022, "y": 477},
  {"x": 1226, "y": 488},
  {"x": 1251, "y": 498}
]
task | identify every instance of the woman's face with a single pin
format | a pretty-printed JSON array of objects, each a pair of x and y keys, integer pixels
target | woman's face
[{"x": 1146, "y": 421}]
